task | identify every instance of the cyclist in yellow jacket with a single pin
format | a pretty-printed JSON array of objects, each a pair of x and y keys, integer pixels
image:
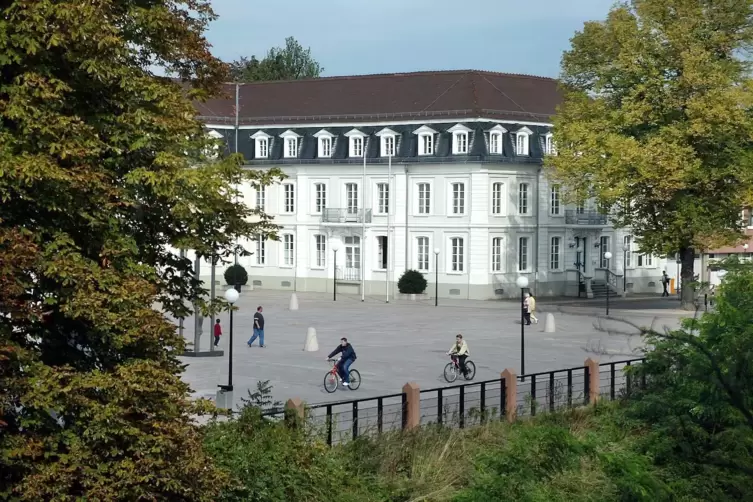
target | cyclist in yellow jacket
[{"x": 460, "y": 351}]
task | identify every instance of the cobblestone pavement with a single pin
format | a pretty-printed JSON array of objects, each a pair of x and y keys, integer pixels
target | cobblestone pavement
[{"x": 406, "y": 341}]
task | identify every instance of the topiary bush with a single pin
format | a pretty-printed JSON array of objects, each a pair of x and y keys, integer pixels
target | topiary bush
[
  {"x": 236, "y": 274},
  {"x": 412, "y": 282}
]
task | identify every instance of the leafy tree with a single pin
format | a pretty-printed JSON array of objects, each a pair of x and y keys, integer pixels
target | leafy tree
[
  {"x": 236, "y": 274},
  {"x": 657, "y": 123},
  {"x": 292, "y": 62},
  {"x": 103, "y": 169}
]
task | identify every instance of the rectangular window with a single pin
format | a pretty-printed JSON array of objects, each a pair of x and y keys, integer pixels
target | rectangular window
[
  {"x": 422, "y": 254},
  {"x": 649, "y": 260},
  {"x": 388, "y": 146},
  {"x": 356, "y": 146},
  {"x": 603, "y": 248},
  {"x": 496, "y": 198},
  {"x": 325, "y": 147},
  {"x": 750, "y": 217},
  {"x": 291, "y": 147},
  {"x": 461, "y": 143},
  {"x": 456, "y": 254},
  {"x": 626, "y": 249},
  {"x": 351, "y": 198},
  {"x": 523, "y": 254},
  {"x": 521, "y": 144},
  {"x": 549, "y": 145},
  {"x": 458, "y": 198},
  {"x": 426, "y": 144},
  {"x": 261, "y": 197},
  {"x": 580, "y": 208},
  {"x": 320, "y": 197},
  {"x": 261, "y": 251},
  {"x": 424, "y": 198},
  {"x": 288, "y": 258},
  {"x": 554, "y": 200},
  {"x": 554, "y": 253},
  {"x": 523, "y": 198},
  {"x": 497, "y": 254},
  {"x": 495, "y": 143},
  {"x": 382, "y": 252},
  {"x": 320, "y": 241},
  {"x": 262, "y": 148},
  {"x": 289, "y": 198},
  {"x": 352, "y": 253},
  {"x": 383, "y": 198}
]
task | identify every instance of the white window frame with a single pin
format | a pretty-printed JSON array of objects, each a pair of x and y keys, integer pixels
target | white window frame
[
  {"x": 290, "y": 138},
  {"x": 456, "y": 266},
  {"x": 382, "y": 206},
  {"x": 603, "y": 249},
  {"x": 288, "y": 250},
  {"x": 427, "y": 252},
  {"x": 549, "y": 146},
  {"x": 497, "y": 200},
  {"x": 524, "y": 198},
  {"x": 262, "y": 144},
  {"x": 387, "y": 142},
  {"x": 426, "y": 146},
  {"x": 352, "y": 252},
  {"x": 497, "y": 254},
  {"x": 417, "y": 209},
  {"x": 325, "y": 144},
  {"x": 316, "y": 196},
  {"x": 461, "y": 139},
  {"x": 346, "y": 197},
  {"x": 356, "y": 143},
  {"x": 261, "y": 197},
  {"x": 555, "y": 201},
  {"x": 379, "y": 254},
  {"x": 523, "y": 142},
  {"x": 497, "y": 131},
  {"x": 627, "y": 256},
  {"x": 528, "y": 249},
  {"x": 457, "y": 207},
  {"x": 555, "y": 241},
  {"x": 260, "y": 251},
  {"x": 288, "y": 198},
  {"x": 319, "y": 255}
]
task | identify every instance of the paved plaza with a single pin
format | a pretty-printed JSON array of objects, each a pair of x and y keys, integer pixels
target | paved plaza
[{"x": 406, "y": 341}]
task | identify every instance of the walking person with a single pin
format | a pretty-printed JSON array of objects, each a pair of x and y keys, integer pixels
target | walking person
[
  {"x": 217, "y": 332},
  {"x": 258, "y": 328},
  {"x": 526, "y": 309},
  {"x": 665, "y": 283},
  {"x": 532, "y": 309}
]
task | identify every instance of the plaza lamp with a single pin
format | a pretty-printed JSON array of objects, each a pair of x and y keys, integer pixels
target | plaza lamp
[
  {"x": 522, "y": 283},
  {"x": 607, "y": 256},
  {"x": 231, "y": 296},
  {"x": 436, "y": 277},
  {"x": 335, "y": 244}
]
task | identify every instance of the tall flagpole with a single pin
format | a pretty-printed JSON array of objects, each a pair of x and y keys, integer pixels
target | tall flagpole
[
  {"x": 389, "y": 211},
  {"x": 363, "y": 229}
]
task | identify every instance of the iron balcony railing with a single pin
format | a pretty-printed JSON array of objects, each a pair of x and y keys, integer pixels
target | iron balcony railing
[
  {"x": 340, "y": 215},
  {"x": 587, "y": 217},
  {"x": 348, "y": 274}
]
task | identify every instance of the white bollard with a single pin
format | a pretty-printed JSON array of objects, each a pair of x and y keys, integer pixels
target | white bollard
[
  {"x": 311, "y": 344},
  {"x": 549, "y": 325},
  {"x": 293, "y": 302}
]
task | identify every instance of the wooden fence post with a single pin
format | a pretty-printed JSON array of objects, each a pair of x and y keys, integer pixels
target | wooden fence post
[
  {"x": 412, "y": 405},
  {"x": 511, "y": 394},
  {"x": 593, "y": 380},
  {"x": 294, "y": 412}
]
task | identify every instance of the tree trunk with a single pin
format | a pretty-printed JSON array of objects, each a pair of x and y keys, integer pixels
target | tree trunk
[{"x": 687, "y": 279}]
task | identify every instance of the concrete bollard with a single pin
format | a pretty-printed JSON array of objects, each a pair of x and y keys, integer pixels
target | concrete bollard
[
  {"x": 311, "y": 344},
  {"x": 549, "y": 324},
  {"x": 293, "y": 302}
]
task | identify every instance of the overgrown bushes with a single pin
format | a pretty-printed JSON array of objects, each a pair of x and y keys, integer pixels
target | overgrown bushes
[
  {"x": 412, "y": 282},
  {"x": 236, "y": 275}
]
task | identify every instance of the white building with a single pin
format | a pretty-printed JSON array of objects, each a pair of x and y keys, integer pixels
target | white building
[{"x": 396, "y": 167}]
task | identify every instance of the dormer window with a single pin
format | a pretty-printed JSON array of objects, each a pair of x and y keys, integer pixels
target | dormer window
[
  {"x": 357, "y": 141},
  {"x": 425, "y": 140},
  {"x": 495, "y": 139},
  {"x": 388, "y": 142},
  {"x": 460, "y": 139},
  {"x": 291, "y": 144},
  {"x": 522, "y": 146},
  {"x": 549, "y": 147},
  {"x": 325, "y": 141},
  {"x": 261, "y": 144},
  {"x": 212, "y": 152}
]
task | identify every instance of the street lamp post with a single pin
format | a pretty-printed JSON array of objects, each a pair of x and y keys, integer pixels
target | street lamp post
[
  {"x": 608, "y": 257},
  {"x": 625, "y": 250},
  {"x": 335, "y": 244},
  {"x": 231, "y": 296},
  {"x": 522, "y": 283},
  {"x": 436, "y": 277}
]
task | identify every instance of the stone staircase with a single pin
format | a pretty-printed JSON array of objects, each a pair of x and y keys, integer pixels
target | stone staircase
[{"x": 599, "y": 289}]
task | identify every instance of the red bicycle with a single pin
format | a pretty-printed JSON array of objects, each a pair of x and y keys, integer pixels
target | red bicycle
[
  {"x": 332, "y": 378},
  {"x": 452, "y": 369}
]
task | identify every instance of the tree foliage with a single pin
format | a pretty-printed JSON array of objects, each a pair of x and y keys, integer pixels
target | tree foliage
[
  {"x": 657, "y": 122},
  {"x": 412, "y": 282},
  {"x": 103, "y": 170},
  {"x": 291, "y": 62}
]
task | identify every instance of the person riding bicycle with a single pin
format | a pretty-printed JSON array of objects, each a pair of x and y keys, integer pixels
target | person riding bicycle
[
  {"x": 460, "y": 350},
  {"x": 348, "y": 356}
]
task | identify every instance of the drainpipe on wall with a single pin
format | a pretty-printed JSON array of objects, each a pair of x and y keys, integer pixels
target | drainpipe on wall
[
  {"x": 538, "y": 236},
  {"x": 407, "y": 205}
]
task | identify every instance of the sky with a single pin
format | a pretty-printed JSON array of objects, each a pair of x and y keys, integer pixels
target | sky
[{"x": 352, "y": 37}]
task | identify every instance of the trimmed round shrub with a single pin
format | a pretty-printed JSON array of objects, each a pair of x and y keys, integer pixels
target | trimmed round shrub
[
  {"x": 412, "y": 282},
  {"x": 236, "y": 274}
]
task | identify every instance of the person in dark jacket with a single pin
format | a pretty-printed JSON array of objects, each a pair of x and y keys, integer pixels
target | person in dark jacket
[{"x": 347, "y": 356}]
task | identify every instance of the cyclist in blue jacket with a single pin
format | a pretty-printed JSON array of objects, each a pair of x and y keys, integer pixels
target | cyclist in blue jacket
[{"x": 348, "y": 356}]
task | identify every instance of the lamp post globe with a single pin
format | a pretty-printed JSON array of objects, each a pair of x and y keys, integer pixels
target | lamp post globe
[
  {"x": 608, "y": 255},
  {"x": 335, "y": 245},
  {"x": 231, "y": 295},
  {"x": 522, "y": 282},
  {"x": 436, "y": 250}
]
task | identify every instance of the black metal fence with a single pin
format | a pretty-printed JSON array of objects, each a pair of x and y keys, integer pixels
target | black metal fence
[
  {"x": 464, "y": 405},
  {"x": 550, "y": 391}
]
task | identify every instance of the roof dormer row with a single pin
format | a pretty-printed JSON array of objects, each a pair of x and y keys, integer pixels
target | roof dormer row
[{"x": 462, "y": 139}]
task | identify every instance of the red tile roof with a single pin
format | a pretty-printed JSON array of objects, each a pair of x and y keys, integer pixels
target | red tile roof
[{"x": 398, "y": 96}]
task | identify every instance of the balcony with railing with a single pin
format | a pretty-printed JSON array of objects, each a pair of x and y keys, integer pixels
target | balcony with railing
[
  {"x": 348, "y": 274},
  {"x": 586, "y": 217},
  {"x": 342, "y": 215}
]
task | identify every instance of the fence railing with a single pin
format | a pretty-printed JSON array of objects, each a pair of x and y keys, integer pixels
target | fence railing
[
  {"x": 585, "y": 217},
  {"x": 509, "y": 397}
]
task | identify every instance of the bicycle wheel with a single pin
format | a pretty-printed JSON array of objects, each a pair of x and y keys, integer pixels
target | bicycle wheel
[
  {"x": 470, "y": 370},
  {"x": 355, "y": 379},
  {"x": 450, "y": 373},
  {"x": 330, "y": 383}
]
